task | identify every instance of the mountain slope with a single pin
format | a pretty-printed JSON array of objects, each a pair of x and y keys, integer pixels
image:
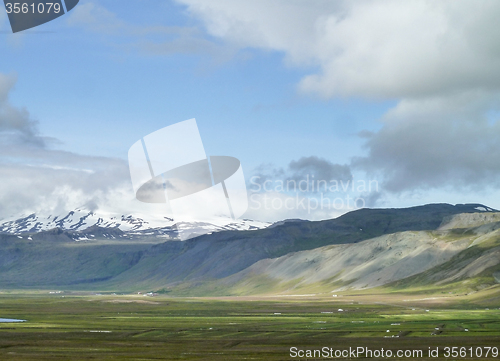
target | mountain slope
[
  {"x": 223, "y": 254},
  {"x": 401, "y": 260},
  {"x": 53, "y": 258},
  {"x": 367, "y": 264},
  {"x": 227, "y": 260}
]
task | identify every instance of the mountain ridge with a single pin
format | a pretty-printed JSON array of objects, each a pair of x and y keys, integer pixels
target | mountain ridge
[
  {"x": 85, "y": 220},
  {"x": 220, "y": 263}
]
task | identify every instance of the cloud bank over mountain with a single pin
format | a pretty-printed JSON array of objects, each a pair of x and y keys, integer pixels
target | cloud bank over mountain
[{"x": 37, "y": 177}]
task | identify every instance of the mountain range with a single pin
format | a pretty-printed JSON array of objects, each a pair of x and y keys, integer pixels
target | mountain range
[
  {"x": 85, "y": 223},
  {"x": 450, "y": 247}
]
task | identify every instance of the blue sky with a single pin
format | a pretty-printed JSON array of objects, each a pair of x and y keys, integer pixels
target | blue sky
[
  {"x": 387, "y": 89},
  {"x": 81, "y": 83}
]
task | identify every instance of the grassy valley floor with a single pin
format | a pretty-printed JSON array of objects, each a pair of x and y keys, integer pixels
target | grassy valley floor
[{"x": 78, "y": 326}]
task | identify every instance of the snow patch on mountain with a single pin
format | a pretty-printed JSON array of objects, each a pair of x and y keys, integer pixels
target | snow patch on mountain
[{"x": 82, "y": 219}]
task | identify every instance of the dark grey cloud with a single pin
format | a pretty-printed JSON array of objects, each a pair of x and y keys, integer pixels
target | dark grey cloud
[
  {"x": 16, "y": 124},
  {"x": 439, "y": 143},
  {"x": 305, "y": 169},
  {"x": 319, "y": 169},
  {"x": 267, "y": 172}
]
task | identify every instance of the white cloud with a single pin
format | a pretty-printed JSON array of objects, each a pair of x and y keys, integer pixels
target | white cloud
[
  {"x": 57, "y": 181},
  {"x": 387, "y": 49}
]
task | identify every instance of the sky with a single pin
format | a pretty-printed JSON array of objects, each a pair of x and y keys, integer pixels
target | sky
[{"x": 394, "y": 102}]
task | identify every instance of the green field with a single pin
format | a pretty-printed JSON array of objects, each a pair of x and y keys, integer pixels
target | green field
[{"x": 72, "y": 326}]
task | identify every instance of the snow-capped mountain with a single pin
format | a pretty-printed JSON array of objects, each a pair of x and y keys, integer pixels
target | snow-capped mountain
[{"x": 87, "y": 223}]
